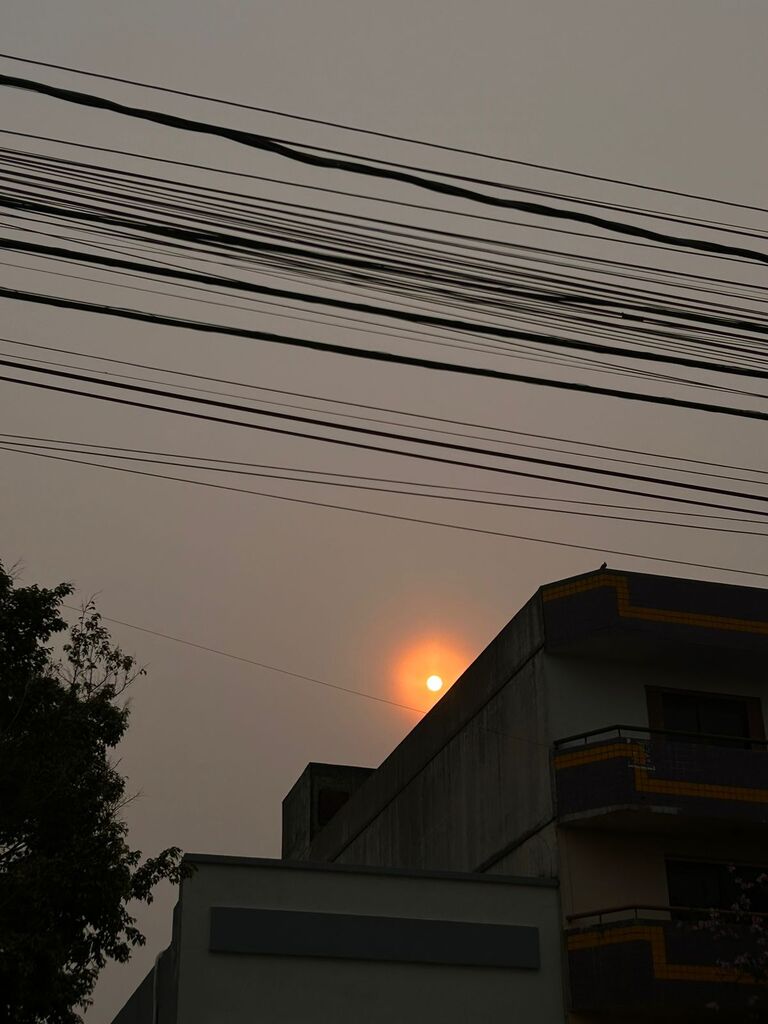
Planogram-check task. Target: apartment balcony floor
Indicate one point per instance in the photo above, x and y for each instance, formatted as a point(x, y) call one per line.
point(627, 777)
point(664, 963)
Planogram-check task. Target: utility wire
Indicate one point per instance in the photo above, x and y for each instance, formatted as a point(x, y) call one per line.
point(379, 134)
point(358, 417)
point(376, 433)
point(132, 179)
point(168, 460)
point(191, 460)
point(257, 664)
point(337, 192)
point(400, 518)
point(377, 355)
point(353, 164)
point(296, 675)
point(414, 415)
point(175, 234)
point(549, 478)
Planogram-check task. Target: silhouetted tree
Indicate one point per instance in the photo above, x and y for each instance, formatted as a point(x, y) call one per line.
point(67, 873)
point(743, 927)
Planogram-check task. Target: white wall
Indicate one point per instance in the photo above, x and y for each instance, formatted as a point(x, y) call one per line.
point(240, 989)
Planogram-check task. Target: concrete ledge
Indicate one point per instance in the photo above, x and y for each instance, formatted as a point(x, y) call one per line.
point(352, 869)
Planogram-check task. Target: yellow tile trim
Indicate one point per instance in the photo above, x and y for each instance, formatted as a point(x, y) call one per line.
point(630, 611)
point(703, 790)
point(605, 752)
point(646, 783)
point(662, 969)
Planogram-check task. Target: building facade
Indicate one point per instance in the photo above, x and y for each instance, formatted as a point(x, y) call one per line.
point(603, 760)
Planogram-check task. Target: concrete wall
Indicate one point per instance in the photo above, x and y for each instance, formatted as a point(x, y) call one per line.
point(234, 988)
point(469, 779)
point(484, 788)
point(534, 857)
point(592, 690)
point(303, 811)
point(602, 869)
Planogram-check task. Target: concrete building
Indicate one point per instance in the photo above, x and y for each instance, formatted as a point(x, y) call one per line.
point(572, 800)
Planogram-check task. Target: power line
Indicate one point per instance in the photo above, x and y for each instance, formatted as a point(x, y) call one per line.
point(168, 460)
point(374, 448)
point(400, 518)
point(376, 433)
point(353, 164)
point(105, 449)
point(586, 298)
point(414, 415)
point(727, 227)
point(296, 675)
point(356, 416)
point(381, 135)
point(99, 171)
point(170, 234)
point(257, 664)
point(377, 355)
point(339, 192)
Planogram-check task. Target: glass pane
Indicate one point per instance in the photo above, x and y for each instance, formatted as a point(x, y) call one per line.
point(692, 884)
point(680, 712)
point(724, 717)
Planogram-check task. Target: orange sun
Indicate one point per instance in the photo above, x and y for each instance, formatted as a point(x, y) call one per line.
point(426, 669)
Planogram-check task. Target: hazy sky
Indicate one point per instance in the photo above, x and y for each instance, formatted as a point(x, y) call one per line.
point(667, 92)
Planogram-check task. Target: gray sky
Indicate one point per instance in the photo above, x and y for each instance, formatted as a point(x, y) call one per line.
point(666, 93)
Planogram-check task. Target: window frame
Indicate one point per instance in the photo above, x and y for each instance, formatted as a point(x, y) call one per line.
point(755, 721)
point(723, 867)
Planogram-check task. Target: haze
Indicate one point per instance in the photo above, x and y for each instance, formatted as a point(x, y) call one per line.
point(669, 94)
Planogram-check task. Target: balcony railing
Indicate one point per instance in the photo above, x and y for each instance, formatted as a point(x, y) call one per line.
point(622, 768)
point(669, 962)
point(633, 732)
point(648, 912)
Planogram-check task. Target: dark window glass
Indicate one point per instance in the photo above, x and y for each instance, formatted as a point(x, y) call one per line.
point(329, 801)
point(693, 884)
point(681, 712)
point(700, 885)
point(724, 717)
point(705, 714)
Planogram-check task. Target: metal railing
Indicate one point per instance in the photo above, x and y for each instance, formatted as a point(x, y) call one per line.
point(630, 733)
point(645, 912)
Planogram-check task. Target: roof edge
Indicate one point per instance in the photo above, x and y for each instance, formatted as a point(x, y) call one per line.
point(226, 860)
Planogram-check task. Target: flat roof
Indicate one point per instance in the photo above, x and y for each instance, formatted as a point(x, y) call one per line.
point(351, 869)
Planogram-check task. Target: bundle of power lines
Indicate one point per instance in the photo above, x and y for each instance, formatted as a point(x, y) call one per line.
point(451, 273)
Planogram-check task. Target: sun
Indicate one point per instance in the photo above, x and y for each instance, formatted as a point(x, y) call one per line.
point(425, 667)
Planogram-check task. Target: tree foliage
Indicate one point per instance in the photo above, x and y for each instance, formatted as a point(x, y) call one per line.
point(67, 873)
point(743, 927)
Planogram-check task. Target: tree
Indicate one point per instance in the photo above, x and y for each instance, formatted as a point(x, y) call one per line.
point(67, 873)
point(741, 929)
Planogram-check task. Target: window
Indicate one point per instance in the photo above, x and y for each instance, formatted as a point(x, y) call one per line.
point(699, 885)
point(694, 884)
point(700, 713)
point(329, 801)
point(706, 714)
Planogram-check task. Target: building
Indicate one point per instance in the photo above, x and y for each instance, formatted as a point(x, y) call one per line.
point(536, 849)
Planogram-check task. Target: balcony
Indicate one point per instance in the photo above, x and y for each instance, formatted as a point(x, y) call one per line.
point(627, 777)
point(667, 963)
